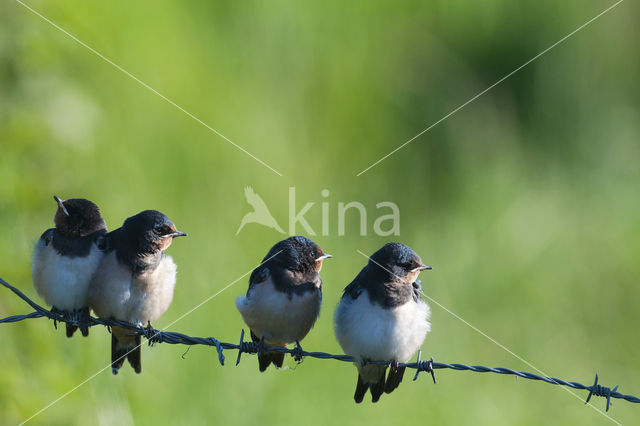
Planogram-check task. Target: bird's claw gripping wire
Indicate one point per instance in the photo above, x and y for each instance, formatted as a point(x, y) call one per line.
point(297, 353)
point(152, 335)
point(57, 315)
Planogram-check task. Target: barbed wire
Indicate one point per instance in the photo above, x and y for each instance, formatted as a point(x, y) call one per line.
point(154, 336)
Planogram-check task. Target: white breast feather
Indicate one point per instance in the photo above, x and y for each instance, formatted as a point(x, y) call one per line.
point(152, 292)
point(276, 317)
point(115, 293)
point(369, 331)
point(63, 281)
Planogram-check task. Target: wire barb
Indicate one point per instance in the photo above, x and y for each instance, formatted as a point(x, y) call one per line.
point(215, 342)
point(424, 366)
point(599, 390)
point(174, 338)
point(248, 347)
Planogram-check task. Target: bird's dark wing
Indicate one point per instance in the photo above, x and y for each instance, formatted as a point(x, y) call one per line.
point(100, 239)
point(125, 251)
point(47, 236)
point(259, 275)
point(113, 239)
point(359, 283)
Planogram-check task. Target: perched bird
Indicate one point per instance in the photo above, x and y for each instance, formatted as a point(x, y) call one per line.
point(284, 296)
point(134, 281)
point(66, 257)
point(381, 317)
point(260, 213)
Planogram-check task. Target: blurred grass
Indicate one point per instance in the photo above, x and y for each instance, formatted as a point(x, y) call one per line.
point(526, 201)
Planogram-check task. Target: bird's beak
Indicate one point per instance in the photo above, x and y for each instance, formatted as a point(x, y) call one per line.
point(177, 234)
point(421, 268)
point(60, 204)
point(323, 257)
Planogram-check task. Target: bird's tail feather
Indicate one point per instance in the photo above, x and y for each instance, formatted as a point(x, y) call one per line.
point(123, 345)
point(370, 378)
point(118, 354)
point(267, 358)
point(394, 378)
point(71, 329)
point(377, 389)
point(361, 389)
point(134, 355)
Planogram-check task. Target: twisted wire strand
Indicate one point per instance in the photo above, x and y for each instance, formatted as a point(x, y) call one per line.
point(158, 336)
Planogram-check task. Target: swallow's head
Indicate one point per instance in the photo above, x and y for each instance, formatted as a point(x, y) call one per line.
point(298, 254)
point(399, 261)
point(77, 217)
point(150, 231)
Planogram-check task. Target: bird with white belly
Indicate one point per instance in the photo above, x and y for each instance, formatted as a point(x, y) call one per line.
point(66, 257)
point(135, 281)
point(381, 317)
point(284, 296)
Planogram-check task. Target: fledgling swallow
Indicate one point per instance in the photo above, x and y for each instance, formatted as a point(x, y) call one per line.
point(284, 296)
point(381, 317)
point(134, 281)
point(66, 257)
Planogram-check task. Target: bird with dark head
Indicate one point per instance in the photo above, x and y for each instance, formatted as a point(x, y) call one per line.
point(77, 217)
point(382, 317)
point(66, 257)
point(284, 296)
point(135, 280)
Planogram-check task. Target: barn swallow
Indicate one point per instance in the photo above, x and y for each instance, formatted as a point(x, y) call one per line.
point(135, 281)
point(284, 296)
point(381, 317)
point(66, 257)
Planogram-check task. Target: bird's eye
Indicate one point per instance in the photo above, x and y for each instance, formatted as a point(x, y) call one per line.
point(162, 230)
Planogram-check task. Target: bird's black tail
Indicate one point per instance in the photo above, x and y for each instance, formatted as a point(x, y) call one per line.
point(267, 358)
point(124, 347)
point(134, 356)
point(394, 378)
point(84, 331)
point(376, 389)
point(361, 389)
point(118, 354)
point(71, 329)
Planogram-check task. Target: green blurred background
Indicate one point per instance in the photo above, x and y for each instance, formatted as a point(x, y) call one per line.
point(525, 202)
